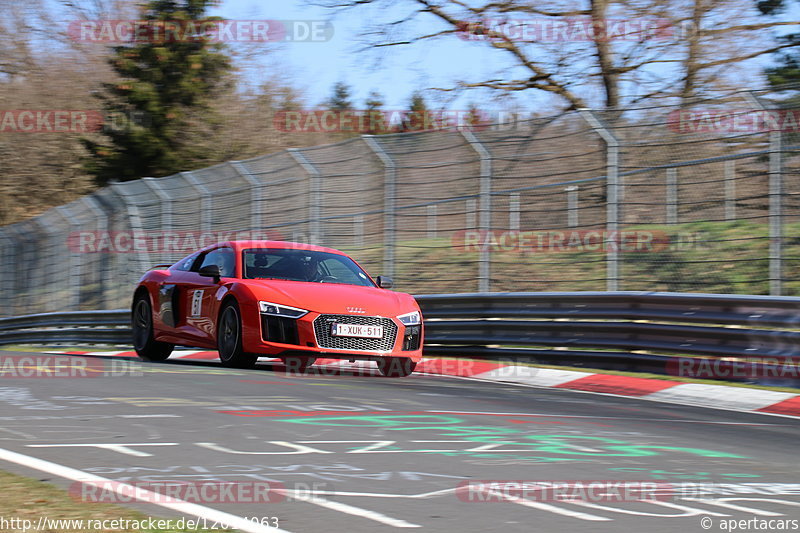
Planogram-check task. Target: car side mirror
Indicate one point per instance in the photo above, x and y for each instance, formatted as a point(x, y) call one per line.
point(384, 282)
point(210, 271)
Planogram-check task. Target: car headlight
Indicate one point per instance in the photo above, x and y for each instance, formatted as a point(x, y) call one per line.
point(410, 319)
point(269, 308)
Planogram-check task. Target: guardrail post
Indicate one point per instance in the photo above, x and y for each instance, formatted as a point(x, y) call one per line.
point(256, 194)
point(74, 262)
point(102, 227)
point(205, 202)
point(672, 196)
point(484, 208)
point(613, 195)
point(730, 190)
point(315, 193)
point(390, 205)
point(775, 202)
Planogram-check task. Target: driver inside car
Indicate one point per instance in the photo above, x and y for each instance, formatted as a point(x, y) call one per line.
point(310, 269)
point(260, 267)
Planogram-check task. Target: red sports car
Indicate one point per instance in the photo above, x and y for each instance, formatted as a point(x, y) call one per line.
point(279, 299)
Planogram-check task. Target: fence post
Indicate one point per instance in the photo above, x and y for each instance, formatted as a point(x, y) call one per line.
point(390, 204)
point(73, 263)
point(470, 214)
point(613, 194)
point(205, 202)
point(484, 208)
point(358, 230)
point(19, 306)
point(9, 267)
point(730, 190)
point(672, 196)
point(775, 203)
point(315, 193)
point(50, 269)
point(165, 202)
point(432, 231)
point(135, 223)
point(775, 213)
point(256, 194)
point(513, 211)
point(102, 227)
point(572, 205)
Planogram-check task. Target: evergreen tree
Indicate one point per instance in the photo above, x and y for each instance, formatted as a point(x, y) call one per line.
point(374, 119)
point(417, 117)
point(167, 82)
point(785, 77)
point(788, 70)
point(340, 99)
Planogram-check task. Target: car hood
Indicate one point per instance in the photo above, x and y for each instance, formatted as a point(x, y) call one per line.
point(333, 298)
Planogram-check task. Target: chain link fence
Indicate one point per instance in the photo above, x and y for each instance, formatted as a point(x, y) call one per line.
point(703, 198)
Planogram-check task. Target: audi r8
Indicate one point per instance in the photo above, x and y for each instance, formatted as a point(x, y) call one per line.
point(292, 301)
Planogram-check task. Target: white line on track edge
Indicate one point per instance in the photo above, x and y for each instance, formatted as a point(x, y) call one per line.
point(350, 509)
point(193, 509)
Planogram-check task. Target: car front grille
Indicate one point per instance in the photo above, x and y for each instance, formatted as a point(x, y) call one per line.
point(322, 329)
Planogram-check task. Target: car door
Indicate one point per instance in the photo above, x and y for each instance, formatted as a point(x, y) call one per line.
point(198, 303)
point(167, 299)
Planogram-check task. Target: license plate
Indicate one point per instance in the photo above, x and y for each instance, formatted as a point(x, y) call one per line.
point(357, 330)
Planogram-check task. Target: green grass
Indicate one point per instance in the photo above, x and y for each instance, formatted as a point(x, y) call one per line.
point(712, 257)
point(29, 499)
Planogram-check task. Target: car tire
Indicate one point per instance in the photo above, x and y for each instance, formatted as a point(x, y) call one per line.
point(229, 338)
point(396, 367)
point(147, 348)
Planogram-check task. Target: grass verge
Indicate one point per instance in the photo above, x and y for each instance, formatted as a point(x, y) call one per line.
point(26, 499)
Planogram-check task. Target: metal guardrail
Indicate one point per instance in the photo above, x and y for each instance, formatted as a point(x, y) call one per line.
point(657, 332)
point(703, 324)
point(98, 327)
point(627, 330)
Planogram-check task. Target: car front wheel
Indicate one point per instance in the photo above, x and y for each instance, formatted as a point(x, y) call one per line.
point(229, 338)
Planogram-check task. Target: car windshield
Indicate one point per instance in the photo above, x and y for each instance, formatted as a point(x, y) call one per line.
point(302, 265)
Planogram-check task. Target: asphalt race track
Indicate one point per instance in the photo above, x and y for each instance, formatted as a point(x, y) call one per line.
point(353, 452)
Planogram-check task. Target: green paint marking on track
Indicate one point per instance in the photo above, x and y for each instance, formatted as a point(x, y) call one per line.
point(553, 444)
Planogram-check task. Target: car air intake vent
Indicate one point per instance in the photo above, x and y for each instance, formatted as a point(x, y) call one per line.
point(411, 338)
point(279, 329)
point(324, 324)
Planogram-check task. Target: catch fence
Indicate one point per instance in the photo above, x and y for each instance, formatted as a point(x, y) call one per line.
point(703, 198)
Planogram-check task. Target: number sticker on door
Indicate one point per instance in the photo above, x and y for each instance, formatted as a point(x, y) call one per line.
point(197, 303)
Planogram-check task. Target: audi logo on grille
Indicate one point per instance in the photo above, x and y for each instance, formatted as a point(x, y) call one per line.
point(359, 310)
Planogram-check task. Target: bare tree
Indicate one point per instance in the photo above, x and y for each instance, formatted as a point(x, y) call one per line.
point(628, 51)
